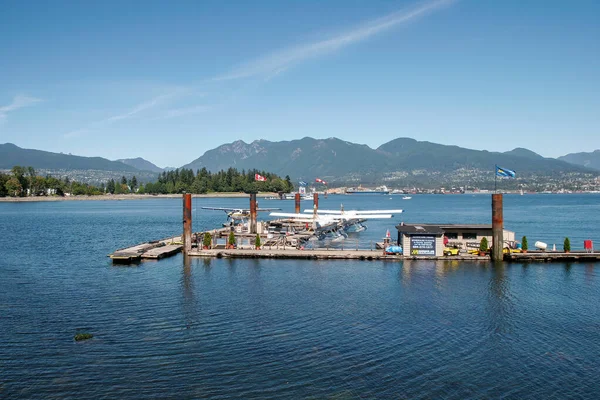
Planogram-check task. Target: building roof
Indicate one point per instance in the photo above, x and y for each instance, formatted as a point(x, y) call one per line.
point(466, 226)
point(440, 228)
point(420, 229)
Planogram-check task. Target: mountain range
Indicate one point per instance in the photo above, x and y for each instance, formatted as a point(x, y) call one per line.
point(589, 160)
point(11, 155)
point(403, 160)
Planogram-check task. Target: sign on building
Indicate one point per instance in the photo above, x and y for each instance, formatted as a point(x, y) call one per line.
point(422, 245)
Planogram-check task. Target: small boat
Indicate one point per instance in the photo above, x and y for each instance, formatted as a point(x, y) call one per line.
point(406, 198)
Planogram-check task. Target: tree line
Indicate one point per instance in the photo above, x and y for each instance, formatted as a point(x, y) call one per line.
point(23, 181)
point(204, 181)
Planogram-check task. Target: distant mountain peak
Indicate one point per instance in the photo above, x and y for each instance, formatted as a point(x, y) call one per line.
point(523, 152)
point(141, 164)
point(586, 159)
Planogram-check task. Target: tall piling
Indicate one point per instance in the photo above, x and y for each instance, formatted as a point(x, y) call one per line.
point(253, 213)
point(497, 227)
point(187, 223)
point(316, 201)
point(297, 203)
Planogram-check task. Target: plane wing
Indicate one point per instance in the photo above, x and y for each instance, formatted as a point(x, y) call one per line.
point(354, 212)
point(291, 215)
point(227, 209)
point(222, 209)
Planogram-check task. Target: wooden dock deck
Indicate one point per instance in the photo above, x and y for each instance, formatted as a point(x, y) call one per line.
point(539, 256)
point(149, 250)
point(291, 253)
point(323, 254)
point(162, 252)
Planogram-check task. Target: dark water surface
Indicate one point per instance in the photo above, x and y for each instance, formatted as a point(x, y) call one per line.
point(293, 329)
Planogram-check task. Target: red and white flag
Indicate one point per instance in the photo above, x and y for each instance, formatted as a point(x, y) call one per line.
point(260, 178)
point(321, 181)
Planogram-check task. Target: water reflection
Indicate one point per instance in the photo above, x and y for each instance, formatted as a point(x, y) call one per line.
point(190, 311)
point(589, 272)
point(500, 303)
point(568, 269)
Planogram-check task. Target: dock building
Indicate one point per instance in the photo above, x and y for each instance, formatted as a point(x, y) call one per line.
point(430, 239)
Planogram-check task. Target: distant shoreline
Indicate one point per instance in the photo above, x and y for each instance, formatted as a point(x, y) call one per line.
point(125, 197)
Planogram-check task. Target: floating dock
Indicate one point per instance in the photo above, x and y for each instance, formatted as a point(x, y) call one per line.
point(149, 250)
point(292, 253)
point(543, 256)
point(322, 254)
point(295, 239)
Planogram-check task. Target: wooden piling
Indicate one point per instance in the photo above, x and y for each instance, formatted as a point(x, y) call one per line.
point(497, 227)
point(297, 203)
point(316, 201)
point(253, 213)
point(187, 223)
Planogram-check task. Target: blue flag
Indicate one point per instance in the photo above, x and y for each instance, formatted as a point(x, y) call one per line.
point(302, 183)
point(507, 173)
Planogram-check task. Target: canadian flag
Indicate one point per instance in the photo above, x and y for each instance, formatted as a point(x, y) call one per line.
point(321, 181)
point(260, 178)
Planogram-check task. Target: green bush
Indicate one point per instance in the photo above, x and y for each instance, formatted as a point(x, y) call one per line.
point(567, 245)
point(524, 245)
point(483, 245)
point(207, 239)
point(231, 239)
point(257, 241)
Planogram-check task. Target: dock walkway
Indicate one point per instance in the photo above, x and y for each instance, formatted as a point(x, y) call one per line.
point(539, 256)
point(149, 250)
point(291, 253)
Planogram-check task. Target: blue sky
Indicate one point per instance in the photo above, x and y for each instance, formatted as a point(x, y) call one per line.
point(169, 80)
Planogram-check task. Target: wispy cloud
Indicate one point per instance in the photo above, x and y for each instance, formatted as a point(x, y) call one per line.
point(138, 109)
point(141, 107)
point(18, 102)
point(179, 112)
point(264, 68)
point(277, 62)
point(74, 134)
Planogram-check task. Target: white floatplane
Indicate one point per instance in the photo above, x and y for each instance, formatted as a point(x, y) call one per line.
point(347, 220)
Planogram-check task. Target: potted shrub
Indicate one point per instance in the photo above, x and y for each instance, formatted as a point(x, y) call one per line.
point(257, 242)
point(567, 245)
point(231, 240)
point(483, 246)
point(206, 241)
point(524, 245)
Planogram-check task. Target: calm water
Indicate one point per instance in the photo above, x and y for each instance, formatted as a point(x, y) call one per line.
point(293, 329)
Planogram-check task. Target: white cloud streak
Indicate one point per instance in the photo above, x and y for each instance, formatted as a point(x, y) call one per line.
point(279, 61)
point(138, 109)
point(141, 108)
point(179, 112)
point(265, 67)
point(18, 102)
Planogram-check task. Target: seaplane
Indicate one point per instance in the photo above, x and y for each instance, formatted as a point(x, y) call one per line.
point(237, 215)
point(349, 221)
